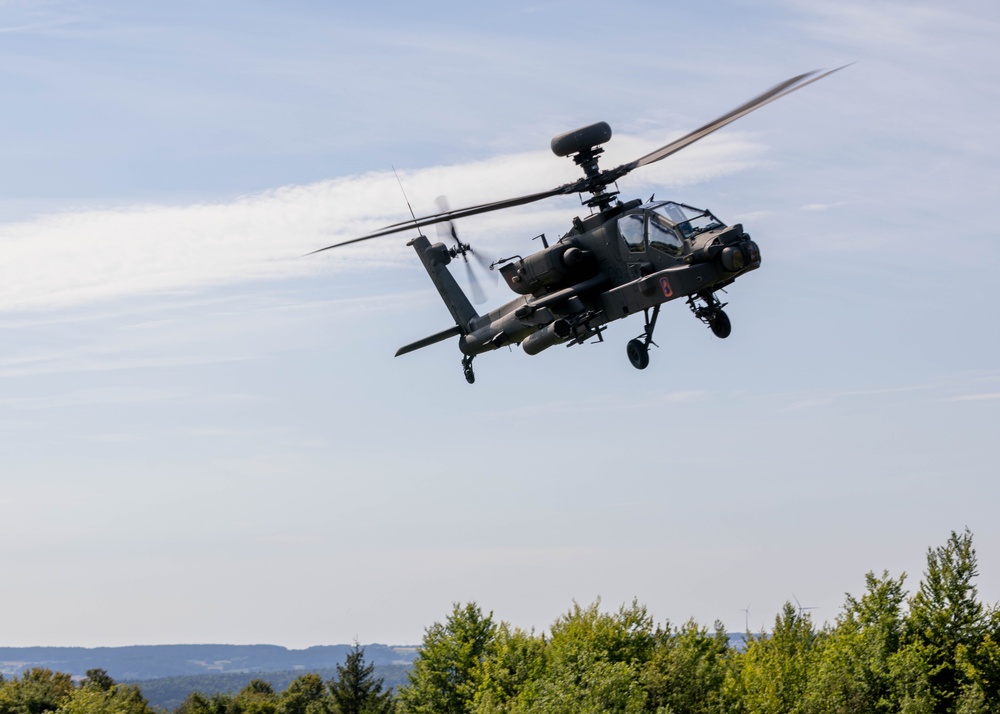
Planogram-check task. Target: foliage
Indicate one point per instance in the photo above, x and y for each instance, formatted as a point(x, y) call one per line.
point(689, 669)
point(442, 678)
point(170, 692)
point(36, 691)
point(513, 669)
point(356, 689)
point(93, 698)
point(854, 672)
point(775, 671)
point(935, 652)
point(593, 662)
point(947, 625)
point(198, 703)
point(258, 697)
point(305, 695)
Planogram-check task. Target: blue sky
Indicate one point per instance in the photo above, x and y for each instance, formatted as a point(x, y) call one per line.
point(204, 436)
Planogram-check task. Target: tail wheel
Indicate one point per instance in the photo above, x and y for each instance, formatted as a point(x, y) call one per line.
point(470, 376)
point(638, 354)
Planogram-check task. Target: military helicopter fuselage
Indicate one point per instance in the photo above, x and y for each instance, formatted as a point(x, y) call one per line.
point(621, 259)
point(627, 259)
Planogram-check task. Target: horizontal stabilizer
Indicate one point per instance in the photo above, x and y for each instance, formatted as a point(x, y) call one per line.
point(454, 331)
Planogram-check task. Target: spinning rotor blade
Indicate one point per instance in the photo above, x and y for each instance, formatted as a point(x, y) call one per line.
point(475, 287)
point(776, 92)
point(460, 213)
point(486, 261)
point(446, 229)
point(596, 183)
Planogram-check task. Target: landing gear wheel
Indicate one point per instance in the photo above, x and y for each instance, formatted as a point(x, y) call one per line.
point(721, 327)
point(470, 376)
point(638, 354)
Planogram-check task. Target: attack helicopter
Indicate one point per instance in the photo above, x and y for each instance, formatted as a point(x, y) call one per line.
point(623, 258)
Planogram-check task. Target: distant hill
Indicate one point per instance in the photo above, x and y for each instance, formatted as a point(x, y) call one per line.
point(143, 662)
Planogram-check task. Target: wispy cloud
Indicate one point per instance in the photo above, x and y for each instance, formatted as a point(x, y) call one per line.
point(940, 390)
point(88, 397)
point(901, 25)
point(607, 403)
point(80, 257)
point(823, 206)
point(975, 397)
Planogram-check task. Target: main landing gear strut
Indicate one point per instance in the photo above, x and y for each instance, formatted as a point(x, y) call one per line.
point(711, 313)
point(638, 349)
point(705, 306)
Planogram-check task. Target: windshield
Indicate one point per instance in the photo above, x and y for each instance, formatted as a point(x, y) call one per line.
point(690, 221)
point(663, 236)
point(633, 231)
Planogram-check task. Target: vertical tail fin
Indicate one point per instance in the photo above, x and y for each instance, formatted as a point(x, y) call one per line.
point(435, 259)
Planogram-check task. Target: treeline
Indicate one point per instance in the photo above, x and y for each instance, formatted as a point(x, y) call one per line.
point(931, 651)
point(935, 651)
point(167, 693)
point(355, 690)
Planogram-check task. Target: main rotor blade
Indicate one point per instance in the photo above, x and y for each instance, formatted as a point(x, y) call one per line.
point(597, 182)
point(446, 229)
point(776, 92)
point(459, 213)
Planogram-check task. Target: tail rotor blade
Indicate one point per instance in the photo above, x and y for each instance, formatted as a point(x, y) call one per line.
point(485, 260)
point(475, 287)
point(446, 229)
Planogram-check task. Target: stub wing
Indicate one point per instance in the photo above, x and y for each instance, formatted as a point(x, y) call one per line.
point(454, 331)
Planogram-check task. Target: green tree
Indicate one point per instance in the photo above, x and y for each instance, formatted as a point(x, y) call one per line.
point(947, 627)
point(624, 636)
point(688, 670)
point(257, 697)
point(356, 690)
point(593, 662)
point(98, 678)
point(516, 664)
point(198, 703)
point(854, 670)
point(38, 690)
point(775, 670)
point(91, 698)
point(589, 684)
point(441, 680)
point(305, 695)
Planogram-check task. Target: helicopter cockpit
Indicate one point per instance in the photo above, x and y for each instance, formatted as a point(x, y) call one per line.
point(664, 226)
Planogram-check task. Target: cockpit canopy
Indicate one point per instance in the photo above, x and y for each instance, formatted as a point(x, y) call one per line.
point(664, 226)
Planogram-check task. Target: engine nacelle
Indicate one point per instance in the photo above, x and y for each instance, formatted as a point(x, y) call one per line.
point(557, 266)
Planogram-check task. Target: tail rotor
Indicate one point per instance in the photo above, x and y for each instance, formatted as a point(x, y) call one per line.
point(446, 231)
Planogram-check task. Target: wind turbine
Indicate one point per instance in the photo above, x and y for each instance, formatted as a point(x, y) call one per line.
point(799, 604)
